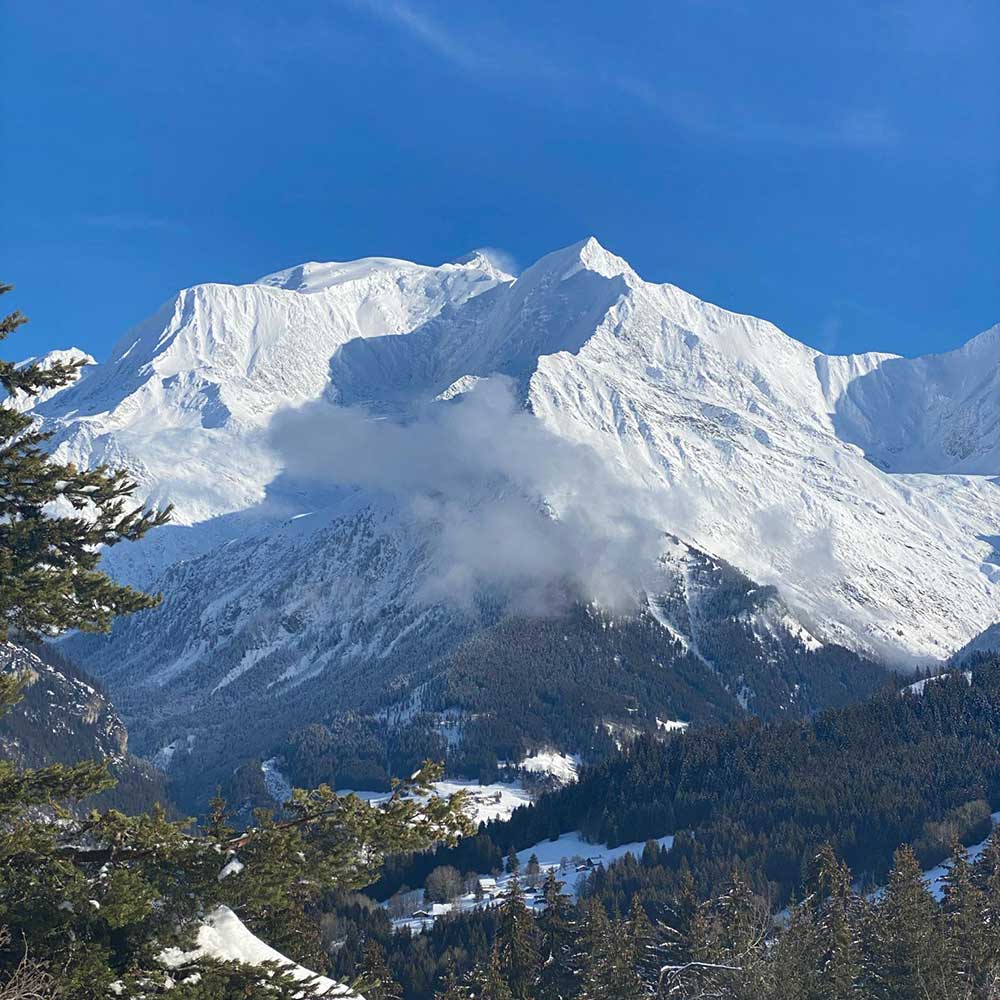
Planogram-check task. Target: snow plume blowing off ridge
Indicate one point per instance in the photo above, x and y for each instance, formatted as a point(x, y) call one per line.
point(510, 507)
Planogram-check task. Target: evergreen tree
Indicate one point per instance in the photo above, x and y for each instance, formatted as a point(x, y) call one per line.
point(987, 878)
point(376, 981)
point(733, 957)
point(488, 982)
point(640, 942)
point(49, 580)
point(517, 943)
point(557, 980)
point(609, 962)
point(904, 952)
point(796, 955)
point(92, 901)
point(532, 872)
point(838, 925)
point(451, 987)
point(969, 955)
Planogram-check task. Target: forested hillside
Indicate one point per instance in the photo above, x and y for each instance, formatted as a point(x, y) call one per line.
point(715, 648)
point(919, 767)
point(64, 717)
point(907, 942)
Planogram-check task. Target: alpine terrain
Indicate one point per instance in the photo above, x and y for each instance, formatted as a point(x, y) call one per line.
point(377, 466)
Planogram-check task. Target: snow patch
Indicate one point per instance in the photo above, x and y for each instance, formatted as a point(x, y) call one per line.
point(561, 766)
point(223, 936)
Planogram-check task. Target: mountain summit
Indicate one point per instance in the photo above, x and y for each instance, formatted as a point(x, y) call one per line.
point(864, 487)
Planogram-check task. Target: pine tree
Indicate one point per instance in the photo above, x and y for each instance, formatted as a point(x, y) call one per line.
point(451, 987)
point(517, 943)
point(837, 919)
point(489, 982)
point(532, 872)
point(966, 939)
point(796, 957)
point(557, 980)
point(608, 970)
point(376, 981)
point(904, 951)
point(986, 875)
point(639, 931)
point(49, 581)
point(738, 929)
point(95, 899)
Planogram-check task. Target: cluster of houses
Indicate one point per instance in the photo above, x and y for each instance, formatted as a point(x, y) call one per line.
point(488, 890)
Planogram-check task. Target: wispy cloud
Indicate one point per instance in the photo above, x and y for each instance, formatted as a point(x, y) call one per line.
point(428, 32)
point(692, 110)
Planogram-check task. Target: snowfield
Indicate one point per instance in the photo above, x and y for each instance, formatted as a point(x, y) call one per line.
point(562, 767)
point(485, 802)
point(865, 487)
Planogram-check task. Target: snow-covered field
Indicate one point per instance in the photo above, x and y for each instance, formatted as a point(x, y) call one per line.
point(485, 802)
point(561, 766)
point(570, 856)
point(934, 877)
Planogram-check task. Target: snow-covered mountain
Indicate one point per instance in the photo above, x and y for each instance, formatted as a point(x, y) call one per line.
point(865, 487)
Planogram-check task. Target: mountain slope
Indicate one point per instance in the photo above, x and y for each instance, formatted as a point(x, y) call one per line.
point(63, 718)
point(856, 485)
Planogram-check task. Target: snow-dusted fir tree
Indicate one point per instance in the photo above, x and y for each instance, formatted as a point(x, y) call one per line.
point(87, 906)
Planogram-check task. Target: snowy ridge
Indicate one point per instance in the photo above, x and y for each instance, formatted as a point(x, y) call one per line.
point(864, 487)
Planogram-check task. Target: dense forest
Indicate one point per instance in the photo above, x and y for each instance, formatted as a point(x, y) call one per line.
point(908, 941)
point(902, 767)
point(805, 819)
point(583, 680)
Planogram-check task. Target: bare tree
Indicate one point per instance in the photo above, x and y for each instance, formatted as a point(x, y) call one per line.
point(30, 980)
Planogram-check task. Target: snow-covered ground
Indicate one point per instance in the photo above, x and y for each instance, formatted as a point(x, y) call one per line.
point(934, 877)
point(671, 725)
point(223, 936)
point(561, 766)
point(486, 802)
point(570, 856)
point(918, 686)
point(277, 785)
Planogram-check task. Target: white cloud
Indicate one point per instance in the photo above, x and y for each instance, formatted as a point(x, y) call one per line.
point(510, 506)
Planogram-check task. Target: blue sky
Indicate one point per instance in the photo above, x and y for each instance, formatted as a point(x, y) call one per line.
point(834, 167)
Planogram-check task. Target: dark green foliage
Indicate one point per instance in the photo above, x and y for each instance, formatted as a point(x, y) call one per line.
point(834, 945)
point(49, 581)
point(767, 797)
point(516, 944)
point(377, 982)
point(557, 925)
point(88, 900)
point(514, 686)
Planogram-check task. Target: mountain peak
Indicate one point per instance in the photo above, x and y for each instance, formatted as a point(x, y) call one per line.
point(494, 262)
point(584, 255)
